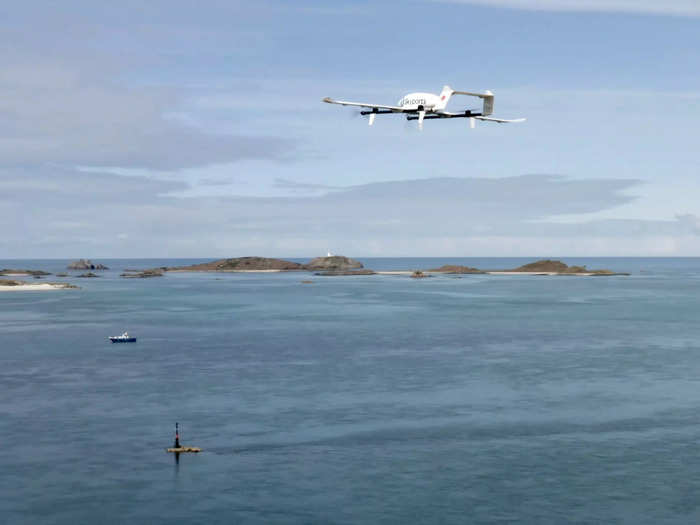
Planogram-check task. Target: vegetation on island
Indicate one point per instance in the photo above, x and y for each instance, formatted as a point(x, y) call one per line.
point(333, 263)
point(558, 267)
point(238, 264)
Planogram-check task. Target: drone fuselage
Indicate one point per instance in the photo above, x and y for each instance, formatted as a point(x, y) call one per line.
point(429, 102)
point(419, 101)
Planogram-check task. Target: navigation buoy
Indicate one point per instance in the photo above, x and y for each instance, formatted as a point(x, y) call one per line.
point(177, 448)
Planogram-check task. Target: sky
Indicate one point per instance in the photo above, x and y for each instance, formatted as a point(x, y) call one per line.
point(196, 129)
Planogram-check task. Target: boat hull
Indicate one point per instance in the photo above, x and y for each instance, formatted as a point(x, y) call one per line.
point(123, 340)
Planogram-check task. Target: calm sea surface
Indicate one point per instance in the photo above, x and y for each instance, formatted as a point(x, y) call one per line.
point(372, 399)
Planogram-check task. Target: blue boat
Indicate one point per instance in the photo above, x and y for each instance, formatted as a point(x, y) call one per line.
point(124, 338)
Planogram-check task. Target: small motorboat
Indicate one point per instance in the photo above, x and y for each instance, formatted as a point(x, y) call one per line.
point(124, 338)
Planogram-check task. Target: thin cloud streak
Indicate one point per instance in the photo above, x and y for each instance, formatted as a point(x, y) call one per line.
point(669, 7)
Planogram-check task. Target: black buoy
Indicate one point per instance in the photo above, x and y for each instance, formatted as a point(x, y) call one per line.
point(177, 437)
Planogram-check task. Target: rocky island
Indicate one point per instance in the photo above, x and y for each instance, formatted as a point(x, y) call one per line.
point(240, 264)
point(543, 267)
point(551, 267)
point(334, 265)
point(86, 264)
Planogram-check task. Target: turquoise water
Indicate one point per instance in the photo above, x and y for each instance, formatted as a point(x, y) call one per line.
point(371, 399)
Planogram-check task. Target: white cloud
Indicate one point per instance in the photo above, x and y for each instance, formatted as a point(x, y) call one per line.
point(668, 7)
point(76, 113)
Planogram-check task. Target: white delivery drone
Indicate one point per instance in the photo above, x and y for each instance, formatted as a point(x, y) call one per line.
point(421, 106)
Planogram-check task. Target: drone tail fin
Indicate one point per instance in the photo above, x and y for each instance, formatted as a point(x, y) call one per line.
point(445, 95)
point(488, 103)
point(486, 96)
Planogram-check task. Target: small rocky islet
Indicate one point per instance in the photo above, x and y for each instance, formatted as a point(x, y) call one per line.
point(86, 264)
point(33, 273)
point(552, 267)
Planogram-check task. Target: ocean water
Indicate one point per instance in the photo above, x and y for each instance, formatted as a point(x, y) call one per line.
point(364, 399)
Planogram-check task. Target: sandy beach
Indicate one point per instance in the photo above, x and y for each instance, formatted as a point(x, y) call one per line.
point(230, 271)
point(495, 272)
point(536, 273)
point(35, 287)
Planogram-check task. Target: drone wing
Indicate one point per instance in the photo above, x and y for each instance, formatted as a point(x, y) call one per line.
point(363, 105)
point(501, 120)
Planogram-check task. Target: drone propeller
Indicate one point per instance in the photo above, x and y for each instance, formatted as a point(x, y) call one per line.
point(421, 116)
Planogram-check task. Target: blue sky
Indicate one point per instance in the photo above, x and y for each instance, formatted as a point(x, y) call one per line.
point(196, 129)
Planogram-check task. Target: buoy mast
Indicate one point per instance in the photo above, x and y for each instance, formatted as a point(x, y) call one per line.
point(177, 448)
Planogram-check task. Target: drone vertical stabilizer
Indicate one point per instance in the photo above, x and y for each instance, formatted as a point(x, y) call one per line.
point(487, 96)
point(488, 103)
point(445, 95)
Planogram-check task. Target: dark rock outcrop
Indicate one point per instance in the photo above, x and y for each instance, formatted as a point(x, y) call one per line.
point(87, 275)
point(11, 271)
point(239, 264)
point(86, 264)
point(419, 275)
point(333, 263)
